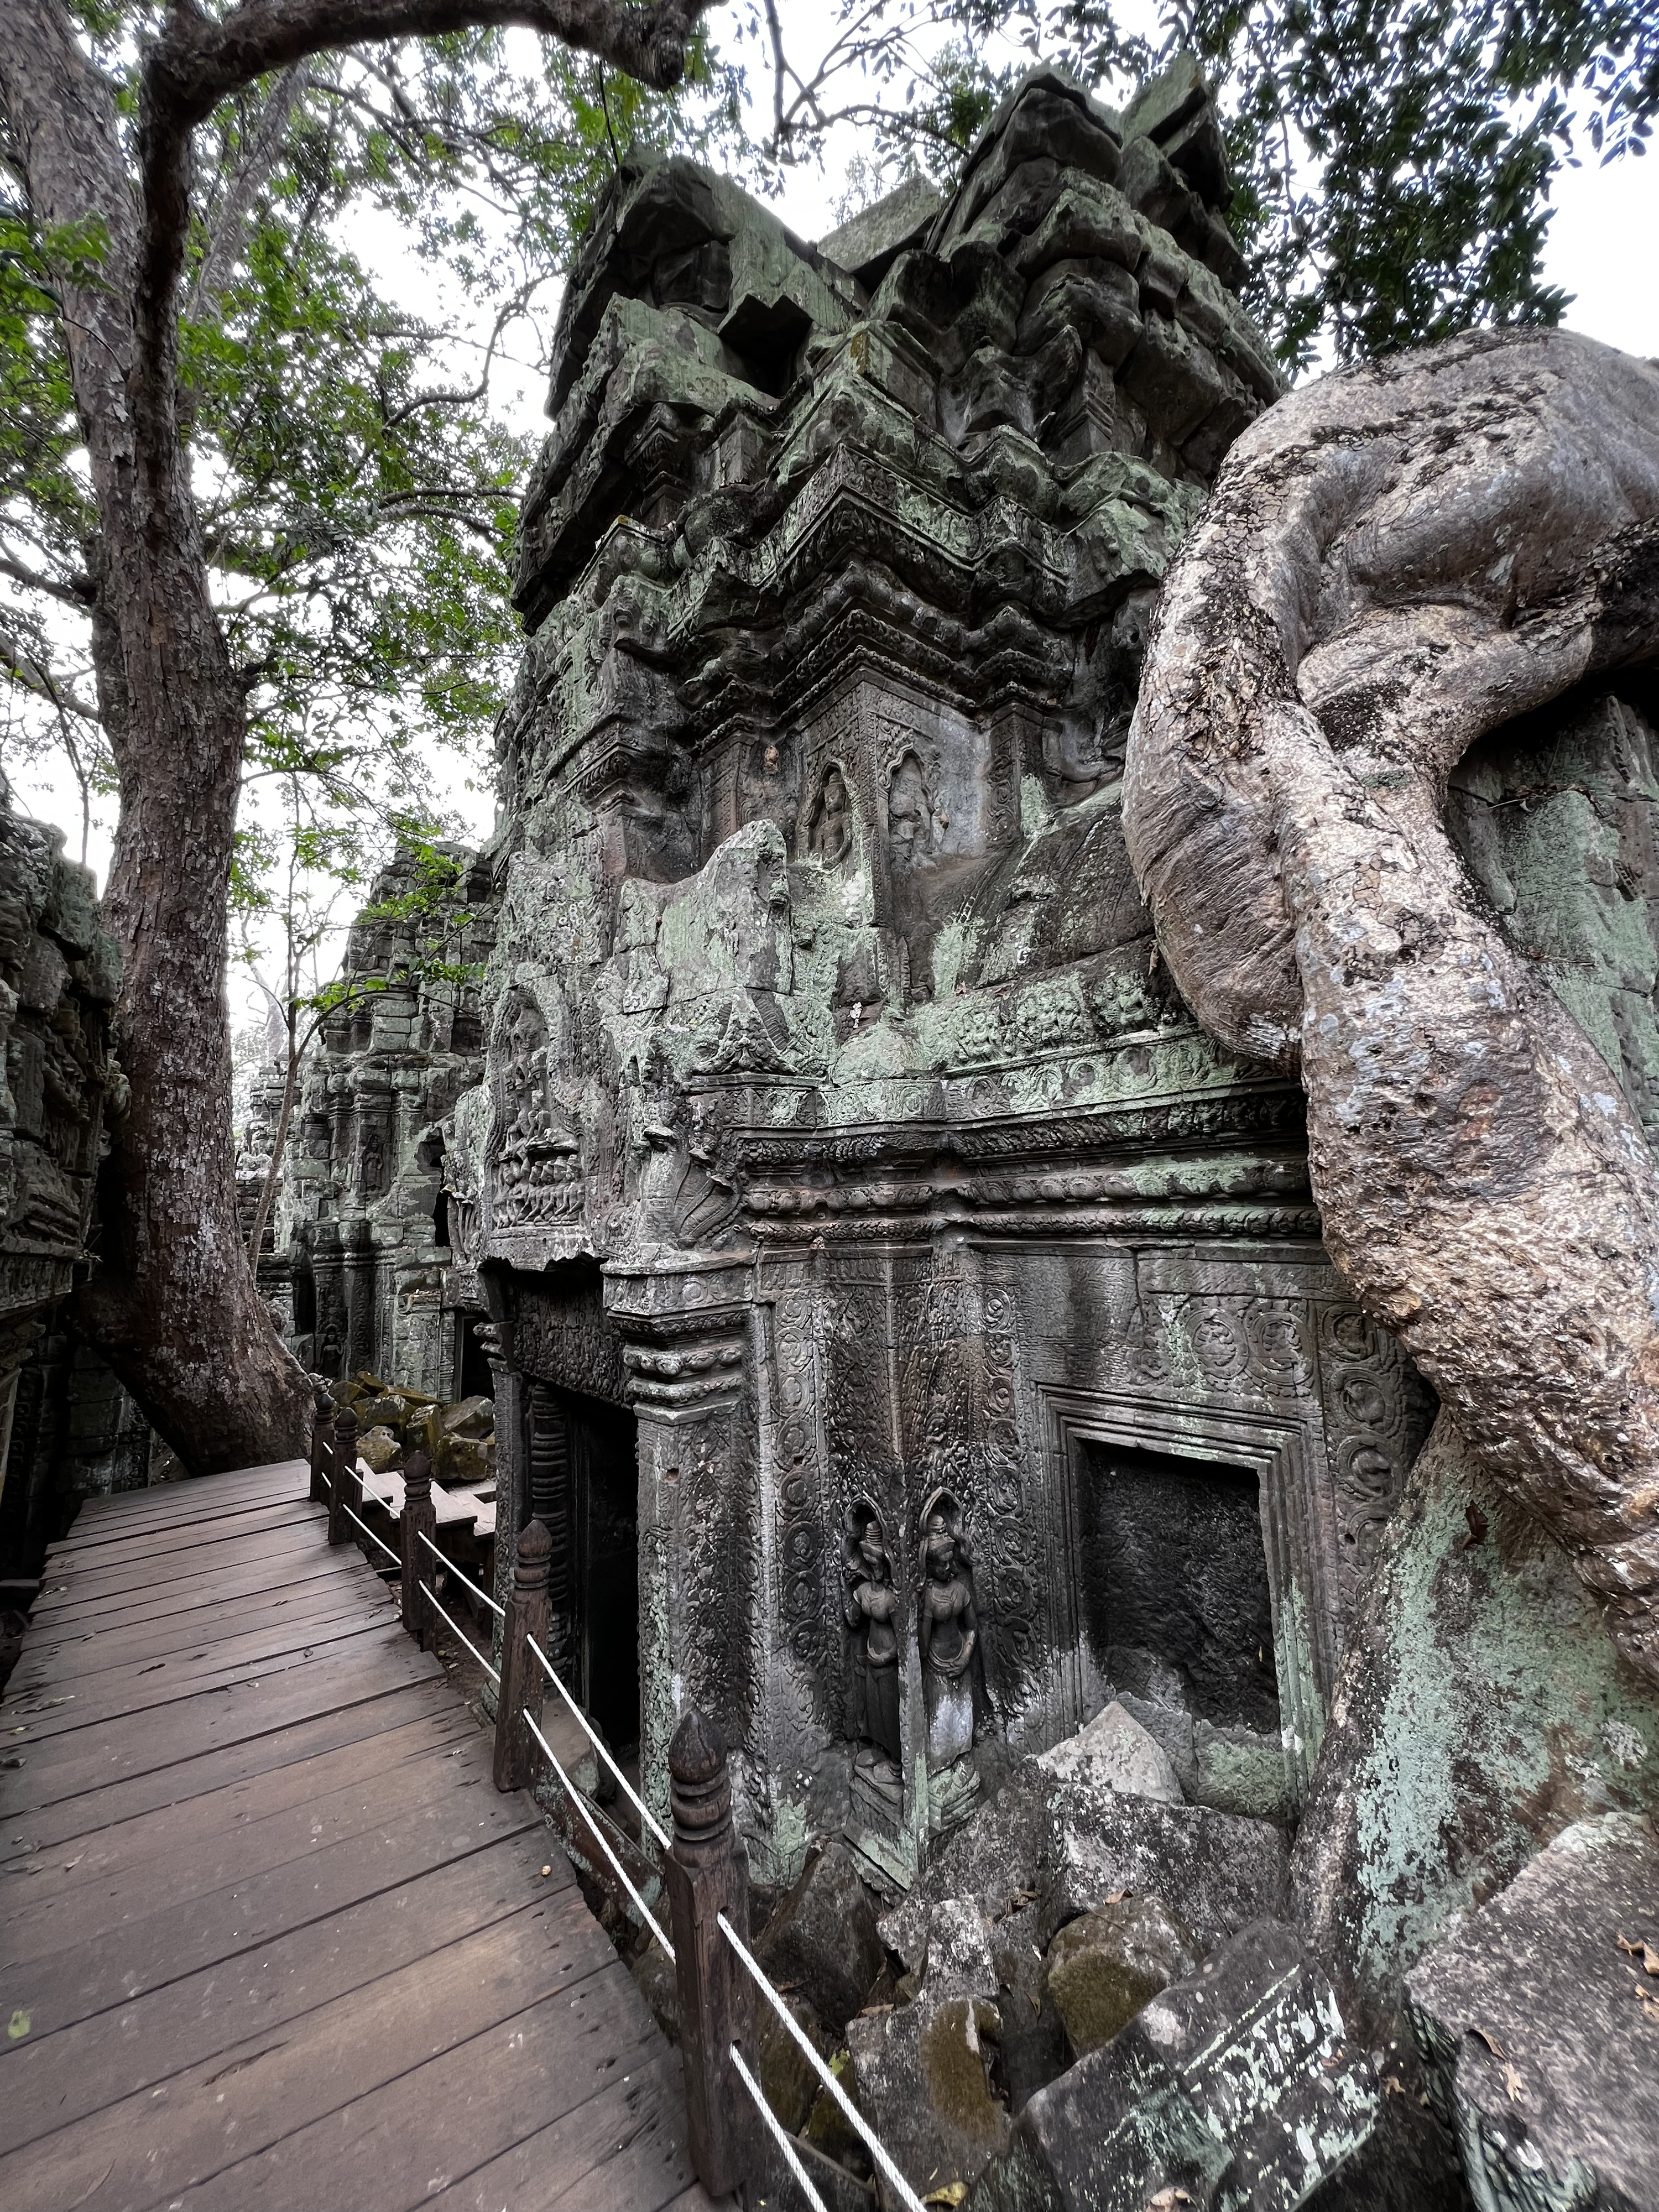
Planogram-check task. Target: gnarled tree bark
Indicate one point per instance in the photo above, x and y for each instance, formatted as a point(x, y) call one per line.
point(1396, 561)
point(174, 1304)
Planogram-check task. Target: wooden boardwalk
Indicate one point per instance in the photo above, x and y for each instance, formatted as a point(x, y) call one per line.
point(269, 1937)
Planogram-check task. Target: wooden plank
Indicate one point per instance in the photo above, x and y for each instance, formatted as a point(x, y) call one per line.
point(187, 1563)
point(180, 1504)
point(469, 2104)
point(175, 1845)
point(123, 1696)
point(196, 1493)
point(77, 1653)
point(623, 2150)
point(196, 1539)
point(98, 1551)
point(225, 2113)
point(48, 2081)
point(253, 1579)
point(115, 1966)
point(88, 1543)
point(188, 1780)
point(66, 1766)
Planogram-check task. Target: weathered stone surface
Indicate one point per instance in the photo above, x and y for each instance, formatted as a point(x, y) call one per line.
point(922, 2077)
point(1234, 2088)
point(379, 1448)
point(839, 1129)
point(823, 1938)
point(785, 2072)
point(1113, 1752)
point(1481, 1710)
point(1487, 1184)
point(1537, 2021)
point(58, 1082)
point(368, 1259)
point(1102, 1968)
point(1072, 1846)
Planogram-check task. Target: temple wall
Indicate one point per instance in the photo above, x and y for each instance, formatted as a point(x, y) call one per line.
point(841, 1129)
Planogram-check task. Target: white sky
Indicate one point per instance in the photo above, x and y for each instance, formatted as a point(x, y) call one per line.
point(1599, 239)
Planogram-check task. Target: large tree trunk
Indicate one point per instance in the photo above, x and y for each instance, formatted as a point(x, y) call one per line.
point(1394, 561)
point(173, 1304)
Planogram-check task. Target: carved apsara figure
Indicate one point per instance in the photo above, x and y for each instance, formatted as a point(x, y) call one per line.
point(948, 1629)
point(831, 832)
point(910, 819)
point(870, 1608)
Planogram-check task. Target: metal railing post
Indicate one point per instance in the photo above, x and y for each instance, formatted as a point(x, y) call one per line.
point(344, 1489)
point(523, 1684)
point(321, 1438)
point(420, 1518)
point(706, 1876)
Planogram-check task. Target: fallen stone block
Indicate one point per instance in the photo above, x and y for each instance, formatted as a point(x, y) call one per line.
point(922, 2077)
point(1538, 2024)
point(823, 1938)
point(1102, 1968)
point(1113, 1752)
point(1069, 1844)
point(1234, 2089)
point(379, 1448)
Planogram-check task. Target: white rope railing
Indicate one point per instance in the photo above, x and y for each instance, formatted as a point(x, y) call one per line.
point(374, 1539)
point(850, 2112)
point(792, 2157)
point(466, 1581)
point(430, 1595)
point(599, 1834)
point(597, 1742)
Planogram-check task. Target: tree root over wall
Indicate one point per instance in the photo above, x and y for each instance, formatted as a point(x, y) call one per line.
point(1395, 562)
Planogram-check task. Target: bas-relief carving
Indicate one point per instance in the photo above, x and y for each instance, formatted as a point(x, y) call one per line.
point(825, 1016)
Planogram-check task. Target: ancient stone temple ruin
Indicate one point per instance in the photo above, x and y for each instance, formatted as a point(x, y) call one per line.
point(355, 1258)
point(66, 1425)
point(893, 1286)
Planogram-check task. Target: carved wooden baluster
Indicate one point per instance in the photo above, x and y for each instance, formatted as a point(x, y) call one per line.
point(523, 1683)
point(706, 1875)
point(322, 1425)
point(550, 1502)
point(343, 1475)
point(420, 1518)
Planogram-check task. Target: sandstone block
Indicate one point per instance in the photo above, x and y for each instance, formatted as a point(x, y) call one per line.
point(1102, 1968)
point(1115, 1752)
point(1234, 2088)
point(380, 1448)
point(1538, 2023)
point(824, 1938)
point(922, 2078)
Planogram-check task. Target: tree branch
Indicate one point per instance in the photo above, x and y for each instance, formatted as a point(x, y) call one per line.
point(32, 675)
point(73, 591)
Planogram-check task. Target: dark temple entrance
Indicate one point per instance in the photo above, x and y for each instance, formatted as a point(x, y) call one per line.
point(601, 1501)
point(1173, 1582)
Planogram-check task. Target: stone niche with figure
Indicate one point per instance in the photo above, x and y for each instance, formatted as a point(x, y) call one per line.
point(916, 1333)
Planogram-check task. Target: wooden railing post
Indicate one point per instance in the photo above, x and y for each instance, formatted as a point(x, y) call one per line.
point(343, 1475)
point(706, 1875)
point(420, 1518)
point(322, 1427)
point(524, 1682)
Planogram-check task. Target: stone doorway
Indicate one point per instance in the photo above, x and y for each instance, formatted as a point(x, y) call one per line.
point(605, 1558)
point(1173, 1586)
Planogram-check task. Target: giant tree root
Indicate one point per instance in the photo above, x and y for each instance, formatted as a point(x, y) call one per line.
point(1395, 560)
